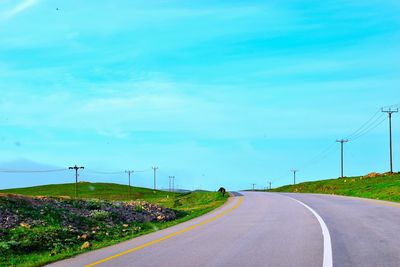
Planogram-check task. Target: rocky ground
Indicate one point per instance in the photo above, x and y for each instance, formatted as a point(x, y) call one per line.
point(16, 210)
point(30, 224)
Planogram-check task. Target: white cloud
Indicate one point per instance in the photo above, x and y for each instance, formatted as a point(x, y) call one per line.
point(20, 7)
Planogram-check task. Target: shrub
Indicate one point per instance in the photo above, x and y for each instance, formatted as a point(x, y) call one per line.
point(99, 214)
point(138, 208)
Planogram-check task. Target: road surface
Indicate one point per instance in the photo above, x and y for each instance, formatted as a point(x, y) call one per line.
point(268, 229)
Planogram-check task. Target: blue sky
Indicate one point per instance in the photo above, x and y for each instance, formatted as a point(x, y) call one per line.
point(214, 92)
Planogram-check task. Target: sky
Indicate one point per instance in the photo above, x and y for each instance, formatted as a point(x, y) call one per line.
point(216, 93)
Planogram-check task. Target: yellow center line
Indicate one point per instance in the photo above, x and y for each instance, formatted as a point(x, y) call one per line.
point(167, 236)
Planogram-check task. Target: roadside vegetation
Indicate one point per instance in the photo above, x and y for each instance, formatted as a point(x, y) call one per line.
point(373, 185)
point(43, 224)
point(105, 191)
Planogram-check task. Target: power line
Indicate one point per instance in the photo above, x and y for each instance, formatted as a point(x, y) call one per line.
point(102, 172)
point(392, 106)
point(113, 172)
point(322, 155)
point(372, 127)
point(372, 123)
point(145, 170)
point(364, 125)
point(32, 171)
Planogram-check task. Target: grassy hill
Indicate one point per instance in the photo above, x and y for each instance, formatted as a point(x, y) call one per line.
point(106, 191)
point(43, 224)
point(375, 186)
point(191, 203)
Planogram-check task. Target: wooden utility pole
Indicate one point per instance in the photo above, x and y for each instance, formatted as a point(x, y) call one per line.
point(294, 176)
point(129, 182)
point(171, 183)
point(390, 112)
point(76, 168)
point(342, 141)
point(155, 177)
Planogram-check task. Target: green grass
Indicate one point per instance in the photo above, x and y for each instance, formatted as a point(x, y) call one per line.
point(383, 187)
point(187, 206)
point(106, 191)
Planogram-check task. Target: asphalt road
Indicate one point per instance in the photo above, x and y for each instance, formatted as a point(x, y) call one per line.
point(268, 229)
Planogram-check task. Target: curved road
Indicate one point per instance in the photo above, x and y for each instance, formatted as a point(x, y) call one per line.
point(268, 229)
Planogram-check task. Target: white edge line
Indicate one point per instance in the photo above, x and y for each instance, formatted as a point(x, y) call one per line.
point(327, 262)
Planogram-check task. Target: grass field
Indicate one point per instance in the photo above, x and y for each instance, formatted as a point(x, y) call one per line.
point(383, 187)
point(107, 191)
point(186, 206)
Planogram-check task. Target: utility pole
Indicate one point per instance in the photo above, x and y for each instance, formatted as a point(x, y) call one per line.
point(171, 183)
point(294, 175)
point(76, 168)
point(253, 186)
point(390, 112)
point(270, 185)
point(155, 177)
point(342, 141)
point(129, 182)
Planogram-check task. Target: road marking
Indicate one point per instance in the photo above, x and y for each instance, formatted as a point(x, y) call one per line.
point(167, 236)
point(327, 262)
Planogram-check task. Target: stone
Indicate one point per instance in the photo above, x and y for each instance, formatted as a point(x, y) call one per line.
point(84, 237)
point(25, 225)
point(85, 245)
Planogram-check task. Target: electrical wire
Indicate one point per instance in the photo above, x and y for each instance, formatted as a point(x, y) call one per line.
point(372, 127)
point(366, 124)
point(393, 106)
point(31, 171)
point(64, 169)
point(320, 156)
point(102, 172)
point(145, 170)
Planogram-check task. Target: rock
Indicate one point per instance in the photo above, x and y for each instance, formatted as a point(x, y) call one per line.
point(372, 175)
point(85, 245)
point(25, 225)
point(83, 237)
